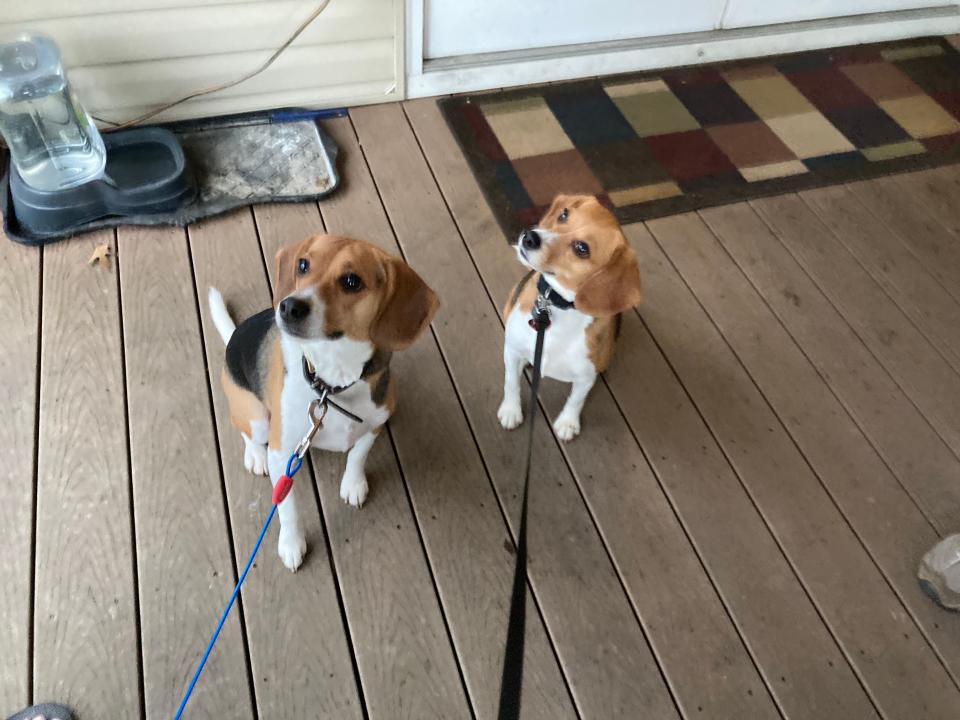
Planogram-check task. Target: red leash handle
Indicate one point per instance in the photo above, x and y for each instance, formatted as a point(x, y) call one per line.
point(282, 488)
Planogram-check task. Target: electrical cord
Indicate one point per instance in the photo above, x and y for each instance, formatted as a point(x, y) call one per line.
point(223, 86)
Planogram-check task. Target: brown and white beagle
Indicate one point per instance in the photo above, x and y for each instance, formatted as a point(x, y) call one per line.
point(340, 308)
point(578, 258)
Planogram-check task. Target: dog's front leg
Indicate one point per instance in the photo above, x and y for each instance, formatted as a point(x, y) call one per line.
point(510, 412)
point(567, 425)
point(353, 486)
point(292, 544)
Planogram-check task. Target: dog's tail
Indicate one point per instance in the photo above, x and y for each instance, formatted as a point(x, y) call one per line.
point(221, 316)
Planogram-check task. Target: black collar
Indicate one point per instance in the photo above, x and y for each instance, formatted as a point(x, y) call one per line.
point(552, 296)
point(325, 390)
point(547, 298)
point(321, 386)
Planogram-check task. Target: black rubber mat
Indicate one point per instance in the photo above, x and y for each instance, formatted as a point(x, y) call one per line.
point(237, 161)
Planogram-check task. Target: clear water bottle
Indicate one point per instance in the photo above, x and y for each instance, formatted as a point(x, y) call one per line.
point(53, 143)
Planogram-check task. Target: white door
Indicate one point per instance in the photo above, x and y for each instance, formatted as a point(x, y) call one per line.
point(467, 27)
point(747, 13)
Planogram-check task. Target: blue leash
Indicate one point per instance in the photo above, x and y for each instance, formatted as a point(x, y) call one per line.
point(280, 491)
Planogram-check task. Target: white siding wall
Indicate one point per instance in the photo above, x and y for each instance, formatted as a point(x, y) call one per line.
point(128, 56)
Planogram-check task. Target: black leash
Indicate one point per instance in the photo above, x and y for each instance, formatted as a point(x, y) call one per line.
point(512, 679)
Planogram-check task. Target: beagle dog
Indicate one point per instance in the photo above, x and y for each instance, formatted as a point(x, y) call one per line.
point(340, 308)
point(582, 267)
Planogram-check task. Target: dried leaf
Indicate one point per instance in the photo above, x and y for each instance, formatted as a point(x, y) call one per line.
point(101, 256)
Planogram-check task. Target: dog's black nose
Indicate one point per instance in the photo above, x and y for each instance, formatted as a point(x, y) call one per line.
point(530, 239)
point(293, 309)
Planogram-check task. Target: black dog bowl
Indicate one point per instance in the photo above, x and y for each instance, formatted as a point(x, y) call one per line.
point(146, 172)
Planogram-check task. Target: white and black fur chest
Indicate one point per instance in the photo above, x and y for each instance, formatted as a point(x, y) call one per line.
point(339, 432)
point(565, 352)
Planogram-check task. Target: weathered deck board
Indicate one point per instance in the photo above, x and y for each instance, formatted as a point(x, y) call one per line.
point(470, 337)
point(892, 266)
point(876, 508)
point(923, 463)
point(897, 205)
point(183, 545)
point(687, 623)
point(299, 652)
point(919, 369)
point(889, 524)
point(403, 652)
point(19, 318)
point(85, 607)
point(463, 531)
point(388, 593)
point(903, 675)
point(733, 571)
point(806, 671)
point(935, 191)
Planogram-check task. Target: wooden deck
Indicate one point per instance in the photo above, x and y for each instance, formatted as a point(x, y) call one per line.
point(734, 535)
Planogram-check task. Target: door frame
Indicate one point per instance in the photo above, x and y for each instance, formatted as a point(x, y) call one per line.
point(471, 73)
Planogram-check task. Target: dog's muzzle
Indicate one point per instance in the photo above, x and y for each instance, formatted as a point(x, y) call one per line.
point(293, 310)
point(530, 239)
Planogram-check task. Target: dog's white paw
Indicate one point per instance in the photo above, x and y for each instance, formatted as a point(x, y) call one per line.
point(255, 458)
point(510, 414)
point(567, 427)
point(291, 548)
point(354, 489)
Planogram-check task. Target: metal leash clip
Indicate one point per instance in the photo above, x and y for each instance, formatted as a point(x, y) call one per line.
point(316, 422)
point(543, 304)
point(541, 313)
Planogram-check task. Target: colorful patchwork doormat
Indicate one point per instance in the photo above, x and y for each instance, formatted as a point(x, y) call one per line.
point(655, 144)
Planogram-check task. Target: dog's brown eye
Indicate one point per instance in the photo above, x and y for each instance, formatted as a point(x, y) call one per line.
point(351, 282)
point(564, 214)
point(581, 249)
point(303, 265)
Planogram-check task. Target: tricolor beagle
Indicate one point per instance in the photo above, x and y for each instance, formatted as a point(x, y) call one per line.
point(340, 307)
point(580, 260)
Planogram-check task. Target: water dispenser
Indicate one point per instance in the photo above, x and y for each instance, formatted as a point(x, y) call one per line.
point(62, 173)
point(53, 143)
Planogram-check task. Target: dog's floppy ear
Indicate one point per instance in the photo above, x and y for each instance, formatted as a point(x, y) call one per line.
point(613, 288)
point(407, 309)
point(286, 275)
